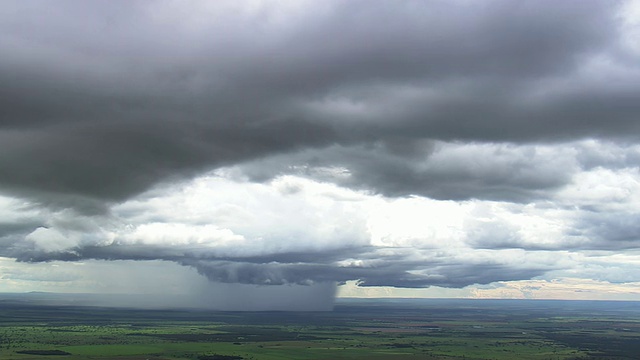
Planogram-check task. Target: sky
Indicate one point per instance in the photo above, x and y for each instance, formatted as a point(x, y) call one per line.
point(268, 154)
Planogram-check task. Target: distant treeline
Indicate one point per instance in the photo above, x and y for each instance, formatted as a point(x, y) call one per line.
point(43, 352)
point(219, 357)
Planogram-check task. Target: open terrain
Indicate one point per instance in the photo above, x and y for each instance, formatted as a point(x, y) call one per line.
point(357, 329)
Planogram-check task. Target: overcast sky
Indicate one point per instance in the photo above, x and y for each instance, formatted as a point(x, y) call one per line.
point(472, 148)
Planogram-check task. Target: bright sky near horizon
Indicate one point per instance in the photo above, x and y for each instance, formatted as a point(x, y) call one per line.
point(414, 148)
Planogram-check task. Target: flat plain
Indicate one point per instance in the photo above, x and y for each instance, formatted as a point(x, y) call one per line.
point(356, 329)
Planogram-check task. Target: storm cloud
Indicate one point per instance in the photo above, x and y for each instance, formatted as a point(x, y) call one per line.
point(259, 142)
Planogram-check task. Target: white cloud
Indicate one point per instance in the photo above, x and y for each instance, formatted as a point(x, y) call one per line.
point(50, 240)
point(287, 214)
point(561, 288)
point(172, 234)
point(220, 215)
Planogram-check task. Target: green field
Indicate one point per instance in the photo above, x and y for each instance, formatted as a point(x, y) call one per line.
point(355, 330)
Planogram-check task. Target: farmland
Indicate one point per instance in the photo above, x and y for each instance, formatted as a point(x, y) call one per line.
point(356, 329)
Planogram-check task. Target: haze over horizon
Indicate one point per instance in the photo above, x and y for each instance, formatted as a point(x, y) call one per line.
point(270, 150)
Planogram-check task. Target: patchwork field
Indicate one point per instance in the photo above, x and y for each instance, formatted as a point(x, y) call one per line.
point(403, 329)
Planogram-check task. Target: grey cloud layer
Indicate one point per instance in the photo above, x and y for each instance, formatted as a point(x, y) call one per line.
point(397, 267)
point(102, 103)
point(454, 171)
point(441, 99)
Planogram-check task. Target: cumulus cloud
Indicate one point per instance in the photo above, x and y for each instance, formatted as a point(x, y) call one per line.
point(324, 234)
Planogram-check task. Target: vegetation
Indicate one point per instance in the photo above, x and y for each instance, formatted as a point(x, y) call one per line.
point(355, 330)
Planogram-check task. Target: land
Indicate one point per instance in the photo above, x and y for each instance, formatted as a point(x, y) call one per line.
point(356, 329)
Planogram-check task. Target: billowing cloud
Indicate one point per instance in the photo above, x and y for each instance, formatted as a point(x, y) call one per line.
point(412, 144)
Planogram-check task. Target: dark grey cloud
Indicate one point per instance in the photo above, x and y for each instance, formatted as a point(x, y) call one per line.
point(101, 103)
point(608, 155)
point(399, 273)
point(66, 164)
point(455, 171)
point(395, 267)
point(609, 230)
point(17, 228)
